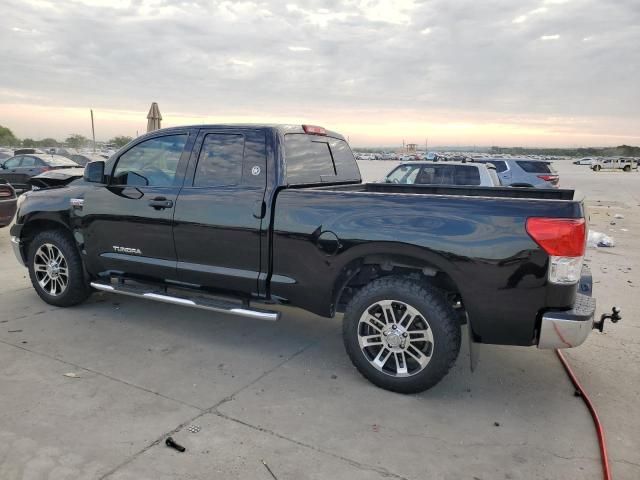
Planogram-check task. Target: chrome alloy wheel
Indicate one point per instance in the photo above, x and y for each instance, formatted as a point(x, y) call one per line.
point(51, 270)
point(395, 338)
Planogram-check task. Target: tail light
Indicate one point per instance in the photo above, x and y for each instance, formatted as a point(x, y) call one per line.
point(45, 169)
point(6, 192)
point(549, 178)
point(314, 130)
point(564, 240)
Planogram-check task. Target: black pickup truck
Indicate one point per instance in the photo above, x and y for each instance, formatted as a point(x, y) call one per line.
point(243, 218)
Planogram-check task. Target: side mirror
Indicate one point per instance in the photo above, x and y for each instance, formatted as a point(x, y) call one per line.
point(94, 172)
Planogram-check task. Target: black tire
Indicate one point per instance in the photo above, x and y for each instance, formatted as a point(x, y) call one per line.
point(627, 168)
point(77, 289)
point(436, 313)
point(597, 168)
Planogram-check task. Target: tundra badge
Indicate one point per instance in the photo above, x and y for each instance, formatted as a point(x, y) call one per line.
point(135, 251)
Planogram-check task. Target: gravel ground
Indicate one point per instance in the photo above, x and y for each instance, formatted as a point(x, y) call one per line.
point(286, 393)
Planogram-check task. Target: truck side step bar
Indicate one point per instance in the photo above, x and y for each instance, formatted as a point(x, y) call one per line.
point(159, 295)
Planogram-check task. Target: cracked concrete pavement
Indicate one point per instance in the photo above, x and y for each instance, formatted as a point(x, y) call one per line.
point(285, 393)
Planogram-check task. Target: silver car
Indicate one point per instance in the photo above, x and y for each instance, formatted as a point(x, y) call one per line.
point(450, 173)
point(524, 172)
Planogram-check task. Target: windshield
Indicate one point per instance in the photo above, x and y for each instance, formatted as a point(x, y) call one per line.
point(403, 174)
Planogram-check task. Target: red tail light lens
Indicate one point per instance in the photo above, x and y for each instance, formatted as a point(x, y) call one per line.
point(6, 192)
point(549, 178)
point(564, 237)
point(314, 130)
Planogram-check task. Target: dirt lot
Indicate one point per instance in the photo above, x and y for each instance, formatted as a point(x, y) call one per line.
point(286, 393)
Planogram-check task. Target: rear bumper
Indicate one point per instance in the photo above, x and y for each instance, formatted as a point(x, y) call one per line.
point(570, 328)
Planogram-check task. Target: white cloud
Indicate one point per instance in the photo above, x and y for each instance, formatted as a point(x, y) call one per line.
point(240, 63)
point(520, 19)
point(354, 54)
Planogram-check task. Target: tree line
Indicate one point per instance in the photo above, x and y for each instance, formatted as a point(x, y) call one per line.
point(75, 140)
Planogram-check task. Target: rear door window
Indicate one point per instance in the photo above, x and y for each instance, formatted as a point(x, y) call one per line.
point(316, 159)
point(436, 175)
point(530, 166)
point(220, 160)
point(466, 175)
point(28, 162)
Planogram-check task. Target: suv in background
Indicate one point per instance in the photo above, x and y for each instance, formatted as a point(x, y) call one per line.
point(430, 173)
point(624, 164)
point(523, 172)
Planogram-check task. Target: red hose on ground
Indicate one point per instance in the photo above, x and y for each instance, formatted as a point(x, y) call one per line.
point(606, 470)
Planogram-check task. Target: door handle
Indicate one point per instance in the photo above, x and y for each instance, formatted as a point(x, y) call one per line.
point(160, 203)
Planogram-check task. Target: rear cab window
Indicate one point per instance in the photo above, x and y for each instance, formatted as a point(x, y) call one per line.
point(318, 159)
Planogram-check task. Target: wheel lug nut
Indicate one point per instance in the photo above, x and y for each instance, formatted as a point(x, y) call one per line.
point(405, 334)
point(394, 326)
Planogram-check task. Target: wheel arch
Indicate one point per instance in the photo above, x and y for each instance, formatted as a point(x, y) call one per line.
point(37, 224)
point(379, 260)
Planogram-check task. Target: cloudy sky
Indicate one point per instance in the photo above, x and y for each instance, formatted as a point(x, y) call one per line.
point(460, 72)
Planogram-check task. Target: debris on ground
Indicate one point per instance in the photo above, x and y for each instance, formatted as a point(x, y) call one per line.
point(169, 442)
point(194, 428)
point(618, 215)
point(71, 375)
point(14, 331)
point(496, 424)
point(599, 239)
point(273, 475)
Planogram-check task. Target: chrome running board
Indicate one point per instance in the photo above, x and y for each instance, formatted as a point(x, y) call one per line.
point(219, 306)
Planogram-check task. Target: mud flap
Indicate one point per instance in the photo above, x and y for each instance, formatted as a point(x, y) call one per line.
point(473, 349)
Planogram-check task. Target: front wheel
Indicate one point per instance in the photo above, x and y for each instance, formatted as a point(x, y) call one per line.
point(401, 335)
point(56, 270)
point(597, 168)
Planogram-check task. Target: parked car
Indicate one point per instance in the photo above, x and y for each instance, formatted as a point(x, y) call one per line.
point(241, 218)
point(624, 164)
point(8, 202)
point(584, 161)
point(83, 158)
point(451, 173)
point(520, 172)
point(19, 169)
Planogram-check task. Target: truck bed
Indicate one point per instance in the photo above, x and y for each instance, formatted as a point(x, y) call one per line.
point(466, 191)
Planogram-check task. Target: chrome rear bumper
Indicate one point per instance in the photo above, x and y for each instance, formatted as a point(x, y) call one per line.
point(570, 328)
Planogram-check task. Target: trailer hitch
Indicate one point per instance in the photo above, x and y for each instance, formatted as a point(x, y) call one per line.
point(614, 316)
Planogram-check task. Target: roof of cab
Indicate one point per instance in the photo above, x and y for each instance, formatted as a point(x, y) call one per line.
point(283, 128)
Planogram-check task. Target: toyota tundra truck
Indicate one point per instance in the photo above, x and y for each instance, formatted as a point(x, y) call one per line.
point(241, 219)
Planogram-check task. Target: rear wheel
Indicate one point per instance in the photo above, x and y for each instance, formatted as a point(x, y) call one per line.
point(56, 270)
point(401, 335)
point(596, 168)
point(627, 168)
